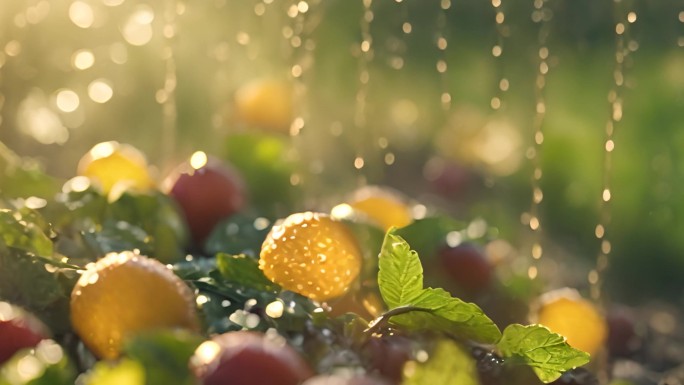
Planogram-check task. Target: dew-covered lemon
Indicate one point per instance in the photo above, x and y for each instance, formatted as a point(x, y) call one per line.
point(126, 293)
point(382, 206)
point(311, 254)
point(110, 164)
point(565, 312)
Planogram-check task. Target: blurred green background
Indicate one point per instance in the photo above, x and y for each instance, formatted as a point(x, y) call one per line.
point(218, 46)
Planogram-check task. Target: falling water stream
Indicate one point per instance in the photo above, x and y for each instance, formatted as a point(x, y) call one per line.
point(542, 17)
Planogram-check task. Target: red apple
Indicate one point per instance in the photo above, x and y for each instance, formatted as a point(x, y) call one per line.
point(468, 267)
point(18, 330)
point(248, 358)
point(207, 191)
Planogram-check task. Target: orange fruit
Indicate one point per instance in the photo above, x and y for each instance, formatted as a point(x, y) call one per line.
point(381, 206)
point(565, 312)
point(126, 293)
point(112, 164)
point(266, 104)
point(311, 254)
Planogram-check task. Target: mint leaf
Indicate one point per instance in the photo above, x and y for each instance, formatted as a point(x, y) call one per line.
point(448, 364)
point(451, 315)
point(546, 352)
point(401, 285)
point(401, 275)
point(243, 270)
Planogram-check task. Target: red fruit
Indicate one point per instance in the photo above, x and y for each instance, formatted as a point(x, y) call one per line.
point(18, 330)
point(623, 339)
point(340, 380)
point(467, 265)
point(387, 355)
point(207, 192)
point(448, 178)
point(249, 358)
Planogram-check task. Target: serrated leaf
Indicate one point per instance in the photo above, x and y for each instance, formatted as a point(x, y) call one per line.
point(401, 285)
point(448, 364)
point(451, 315)
point(243, 270)
point(401, 275)
point(546, 352)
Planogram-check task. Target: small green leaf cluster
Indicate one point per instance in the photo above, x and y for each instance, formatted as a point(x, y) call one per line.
point(416, 308)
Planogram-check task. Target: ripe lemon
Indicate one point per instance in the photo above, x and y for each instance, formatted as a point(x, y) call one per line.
point(126, 293)
point(382, 207)
point(110, 164)
point(266, 104)
point(311, 254)
point(565, 312)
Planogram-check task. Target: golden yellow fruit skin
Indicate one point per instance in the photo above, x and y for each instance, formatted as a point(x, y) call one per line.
point(311, 254)
point(126, 293)
point(266, 104)
point(384, 208)
point(112, 163)
point(576, 319)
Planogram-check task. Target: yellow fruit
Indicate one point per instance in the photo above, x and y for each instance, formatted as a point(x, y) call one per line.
point(383, 207)
point(266, 104)
point(565, 312)
point(311, 254)
point(110, 164)
point(126, 293)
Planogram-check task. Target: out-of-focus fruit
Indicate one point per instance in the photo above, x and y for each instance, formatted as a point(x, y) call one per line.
point(249, 358)
point(342, 380)
point(467, 266)
point(265, 103)
point(112, 164)
point(18, 330)
point(126, 293)
point(382, 207)
point(448, 178)
point(311, 254)
point(565, 312)
point(623, 339)
point(387, 354)
point(207, 191)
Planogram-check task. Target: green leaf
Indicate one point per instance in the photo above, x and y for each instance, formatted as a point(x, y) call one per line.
point(22, 231)
point(244, 270)
point(24, 177)
point(164, 355)
point(401, 275)
point(401, 286)
point(451, 315)
point(449, 364)
point(546, 352)
point(239, 234)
